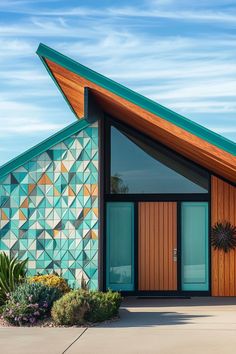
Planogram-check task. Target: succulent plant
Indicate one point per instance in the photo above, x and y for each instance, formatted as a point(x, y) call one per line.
point(223, 236)
point(12, 273)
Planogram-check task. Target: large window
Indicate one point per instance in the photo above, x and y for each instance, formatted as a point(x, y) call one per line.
point(139, 167)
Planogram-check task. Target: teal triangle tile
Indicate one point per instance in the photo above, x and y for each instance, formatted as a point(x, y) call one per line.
point(5, 202)
point(31, 272)
point(13, 179)
point(19, 176)
point(94, 155)
point(64, 264)
point(24, 211)
point(33, 176)
point(48, 265)
point(72, 266)
point(93, 285)
point(39, 265)
point(3, 245)
point(7, 189)
point(23, 244)
point(6, 180)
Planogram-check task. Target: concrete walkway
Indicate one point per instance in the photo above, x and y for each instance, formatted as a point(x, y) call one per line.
point(184, 326)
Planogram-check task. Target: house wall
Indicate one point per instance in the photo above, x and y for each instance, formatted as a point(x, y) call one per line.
point(49, 210)
point(223, 208)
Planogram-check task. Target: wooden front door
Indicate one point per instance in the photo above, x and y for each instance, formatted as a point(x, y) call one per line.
point(157, 246)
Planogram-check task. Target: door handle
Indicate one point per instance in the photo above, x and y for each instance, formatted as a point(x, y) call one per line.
point(175, 254)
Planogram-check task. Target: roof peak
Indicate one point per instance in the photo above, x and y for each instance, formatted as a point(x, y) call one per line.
point(196, 129)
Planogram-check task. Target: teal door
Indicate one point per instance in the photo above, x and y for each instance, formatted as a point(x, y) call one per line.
point(120, 246)
point(194, 246)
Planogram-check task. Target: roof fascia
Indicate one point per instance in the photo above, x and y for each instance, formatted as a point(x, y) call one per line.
point(196, 129)
point(57, 85)
point(43, 146)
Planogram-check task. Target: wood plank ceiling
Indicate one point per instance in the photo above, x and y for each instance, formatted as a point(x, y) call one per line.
point(189, 145)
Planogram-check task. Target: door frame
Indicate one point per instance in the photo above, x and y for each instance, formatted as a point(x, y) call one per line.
point(104, 197)
point(179, 291)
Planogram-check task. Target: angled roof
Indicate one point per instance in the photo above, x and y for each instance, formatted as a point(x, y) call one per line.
point(48, 53)
point(42, 147)
point(195, 142)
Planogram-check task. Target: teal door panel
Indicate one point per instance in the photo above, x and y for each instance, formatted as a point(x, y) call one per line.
point(120, 246)
point(194, 246)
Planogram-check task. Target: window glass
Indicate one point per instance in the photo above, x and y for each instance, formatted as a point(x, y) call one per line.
point(138, 167)
point(120, 258)
point(194, 240)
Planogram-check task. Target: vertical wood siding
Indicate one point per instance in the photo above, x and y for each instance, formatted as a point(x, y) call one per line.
point(223, 208)
point(157, 239)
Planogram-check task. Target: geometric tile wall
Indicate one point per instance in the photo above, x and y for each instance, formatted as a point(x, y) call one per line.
point(49, 210)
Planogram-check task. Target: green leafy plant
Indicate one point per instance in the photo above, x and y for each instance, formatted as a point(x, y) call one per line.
point(12, 272)
point(103, 306)
point(71, 308)
point(223, 236)
point(52, 280)
point(81, 306)
point(29, 303)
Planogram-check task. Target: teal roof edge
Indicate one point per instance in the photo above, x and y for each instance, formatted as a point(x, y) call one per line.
point(57, 85)
point(221, 142)
point(43, 146)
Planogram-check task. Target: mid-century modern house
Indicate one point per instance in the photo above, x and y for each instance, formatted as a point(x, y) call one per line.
point(126, 197)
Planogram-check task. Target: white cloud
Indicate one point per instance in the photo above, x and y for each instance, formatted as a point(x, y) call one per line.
point(160, 48)
point(27, 127)
point(20, 76)
point(164, 9)
point(19, 118)
point(15, 48)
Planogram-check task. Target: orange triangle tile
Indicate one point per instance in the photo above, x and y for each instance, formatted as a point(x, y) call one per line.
point(94, 189)
point(21, 215)
point(25, 204)
point(70, 192)
point(86, 191)
point(93, 235)
point(55, 233)
point(44, 180)
point(31, 187)
point(3, 216)
point(47, 180)
point(86, 211)
point(56, 192)
point(63, 168)
point(95, 211)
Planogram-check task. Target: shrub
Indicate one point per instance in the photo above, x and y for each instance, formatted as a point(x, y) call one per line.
point(52, 280)
point(80, 306)
point(12, 272)
point(29, 303)
point(103, 306)
point(71, 308)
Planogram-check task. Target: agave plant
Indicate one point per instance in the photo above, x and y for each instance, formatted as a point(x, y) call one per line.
point(12, 272)
point(223, 236)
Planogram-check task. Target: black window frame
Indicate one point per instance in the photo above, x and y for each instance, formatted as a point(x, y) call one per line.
point(105, 196)
point(122, 127)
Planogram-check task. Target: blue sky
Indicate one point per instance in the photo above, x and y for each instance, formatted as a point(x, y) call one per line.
point(180, 53)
